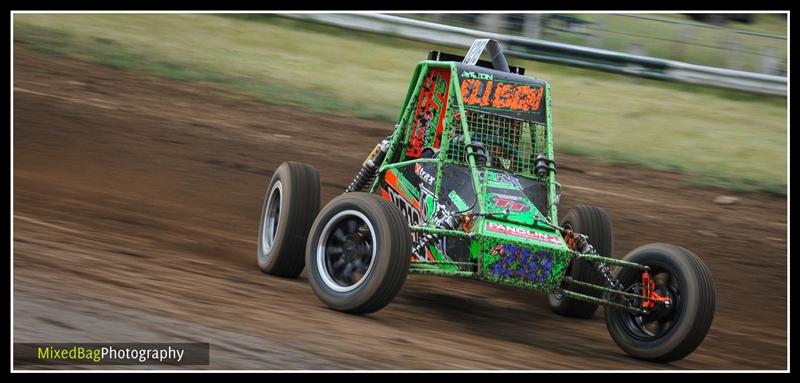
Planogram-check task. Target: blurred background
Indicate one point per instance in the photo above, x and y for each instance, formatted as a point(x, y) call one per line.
point(143, 144)
point(741, 41)
point(359, 65)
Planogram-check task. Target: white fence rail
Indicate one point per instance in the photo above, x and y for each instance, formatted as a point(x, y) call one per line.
point(541, 50)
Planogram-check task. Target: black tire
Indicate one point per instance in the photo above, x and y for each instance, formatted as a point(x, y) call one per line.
point(685, 323)
point(377, 255)
point(294, 192)
point(594, 223)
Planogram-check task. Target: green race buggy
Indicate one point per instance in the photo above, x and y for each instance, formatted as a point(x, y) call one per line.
point(466, 186)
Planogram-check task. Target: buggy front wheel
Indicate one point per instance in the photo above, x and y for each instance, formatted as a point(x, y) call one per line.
point(669, 331)
point(358, 253)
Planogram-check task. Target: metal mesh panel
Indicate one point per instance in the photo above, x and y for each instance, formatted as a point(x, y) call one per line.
point(511, 144)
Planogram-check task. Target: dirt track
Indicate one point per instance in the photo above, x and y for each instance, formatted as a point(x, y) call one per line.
point(136, 208)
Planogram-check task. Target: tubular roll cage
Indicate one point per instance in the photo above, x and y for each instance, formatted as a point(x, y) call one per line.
point(398, 140)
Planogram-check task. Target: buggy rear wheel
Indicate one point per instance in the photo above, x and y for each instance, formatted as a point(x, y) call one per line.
point(358, 253)
point(594, 223)
point(289, 208)
point(668, 332)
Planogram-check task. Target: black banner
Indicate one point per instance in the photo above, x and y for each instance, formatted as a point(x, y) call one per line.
point(502, 93)
point(178, 354)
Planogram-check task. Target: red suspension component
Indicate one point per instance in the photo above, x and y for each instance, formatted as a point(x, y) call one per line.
point(649, 291)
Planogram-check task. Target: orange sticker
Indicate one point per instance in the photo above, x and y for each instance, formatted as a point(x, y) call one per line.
point(500, 95)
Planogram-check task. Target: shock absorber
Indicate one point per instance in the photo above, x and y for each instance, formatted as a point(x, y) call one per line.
point(445, 221)
point(369, 169)
point(583, 246)
point(612, 281)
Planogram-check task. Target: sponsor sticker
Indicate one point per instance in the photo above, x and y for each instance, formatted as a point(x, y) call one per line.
point(423, 175)
point(521, 232)
point(512, 203)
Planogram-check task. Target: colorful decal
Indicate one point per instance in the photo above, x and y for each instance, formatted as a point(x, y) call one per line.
point(459, 202)
point(520, 262)
point(398, 189)
point(477, 75)
point(502, 93)
point(402, 187)
point(521, 232)
point(395, 191)
point(430, 206)
point(409, 211)
point(502, 180)
point(423, 175)
point(428, 123)
point(510, 202)
point(499, 95)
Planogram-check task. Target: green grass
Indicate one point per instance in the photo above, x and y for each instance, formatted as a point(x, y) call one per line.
point(724, 138)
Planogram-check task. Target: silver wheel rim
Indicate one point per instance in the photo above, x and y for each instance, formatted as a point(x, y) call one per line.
point(271, 216)
point(322, 250)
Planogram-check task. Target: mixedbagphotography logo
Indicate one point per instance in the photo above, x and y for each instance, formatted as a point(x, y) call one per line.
point(189, 354)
